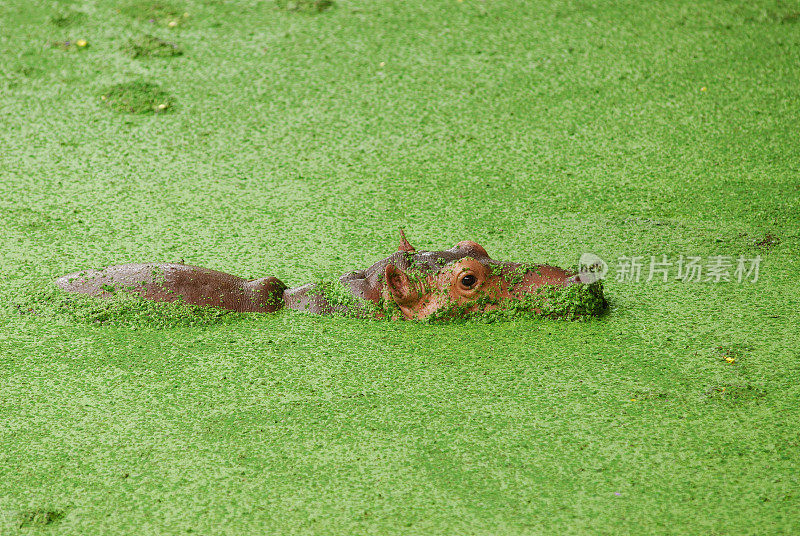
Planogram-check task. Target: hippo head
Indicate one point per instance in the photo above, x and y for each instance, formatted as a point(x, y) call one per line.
point(464, 281)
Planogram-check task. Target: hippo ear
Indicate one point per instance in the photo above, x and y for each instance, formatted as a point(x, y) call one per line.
point(404, 244)
point(399, 285)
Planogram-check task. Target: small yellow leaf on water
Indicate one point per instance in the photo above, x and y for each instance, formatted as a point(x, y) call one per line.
point(81, 42)
point(172, 23)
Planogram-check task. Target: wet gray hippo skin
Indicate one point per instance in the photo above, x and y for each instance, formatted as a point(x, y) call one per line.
point(418, 283)
point(171, 282)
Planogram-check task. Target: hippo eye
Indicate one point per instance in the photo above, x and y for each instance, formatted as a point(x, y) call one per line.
point(468, 280)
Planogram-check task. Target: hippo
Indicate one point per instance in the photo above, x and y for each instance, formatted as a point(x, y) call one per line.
point(462, 281)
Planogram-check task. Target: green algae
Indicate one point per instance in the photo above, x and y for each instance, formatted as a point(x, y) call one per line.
point(516, 276)
point(138, 97)
point(581, 115)
point(67, 17)
point(735, 393)
point(45, 300)
point(575, 302)
point(344, 303)
point(305, 6)
point(150, 46)
point(40, 517)
point(145, 10)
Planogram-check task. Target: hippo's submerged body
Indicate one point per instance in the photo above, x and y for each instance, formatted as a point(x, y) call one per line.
point(409, 284)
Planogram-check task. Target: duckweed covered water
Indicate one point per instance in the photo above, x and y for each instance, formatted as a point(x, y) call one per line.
point(298, 145)
point(137, 97)
point(44, 300)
